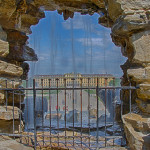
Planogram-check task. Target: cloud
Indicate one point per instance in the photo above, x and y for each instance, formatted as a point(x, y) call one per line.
point(82, 22)
point(77, 22)
point(85, 22)
point(43, 57)
point(105, 56)
point(76, 25)
point(93, 41)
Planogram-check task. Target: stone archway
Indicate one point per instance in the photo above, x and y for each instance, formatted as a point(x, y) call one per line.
point(130, 24)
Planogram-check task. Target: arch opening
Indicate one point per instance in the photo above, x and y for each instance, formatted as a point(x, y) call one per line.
point(77, 45)
point(130, 30)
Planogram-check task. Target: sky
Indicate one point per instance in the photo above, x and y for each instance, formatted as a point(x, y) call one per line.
point(79, 45)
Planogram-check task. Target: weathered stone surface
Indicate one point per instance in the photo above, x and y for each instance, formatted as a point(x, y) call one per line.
point(3, 35)
point(7, 143)
point(21, 53)
point(110, 144)
point(144, 106)
point(2, 97)
point(141, 45)
point(17, 47)
point(19, 15)
point(105, 21)
point(129, 16)
point(10, 83)
point(140, 74)
point(136, 128)
point(25, 67)
point(6, 126)
point(9, 69)
point(144, 91)
point(4, 48)
point(8, 114)
point(99, 3)
point(4, 45)
point(6, 120)
point(113, 148)
point(128, 19)
point(17, 99)
point(29, 54)
point(114, 9)
point(16, 37)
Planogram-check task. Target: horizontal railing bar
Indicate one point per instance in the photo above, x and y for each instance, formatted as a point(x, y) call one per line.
point(38, 134)
point(54, 136)
point(61, 136)
point(15, 93)
point(75, 88)
point(15, 135)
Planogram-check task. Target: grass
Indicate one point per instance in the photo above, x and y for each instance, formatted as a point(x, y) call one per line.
point(44, 92)
point(91, 91)
point(47, 92)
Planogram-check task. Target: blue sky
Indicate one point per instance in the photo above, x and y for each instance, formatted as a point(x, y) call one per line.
point(78, 45)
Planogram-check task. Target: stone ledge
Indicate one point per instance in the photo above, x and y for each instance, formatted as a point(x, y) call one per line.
point(10, 69)
point(8, 115)
point(10, 144)
point(137, 127)
point(4, 48)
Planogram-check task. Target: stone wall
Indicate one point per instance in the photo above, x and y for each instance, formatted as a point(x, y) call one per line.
point(130, 24)
point(129, 21)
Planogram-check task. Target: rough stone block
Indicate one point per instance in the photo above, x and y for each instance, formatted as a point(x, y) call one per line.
point(137, 127)
point(140, 74)
point(4, 48)
point(10, 69)
point(141, 45)
point(8, 115)
point(144, 106)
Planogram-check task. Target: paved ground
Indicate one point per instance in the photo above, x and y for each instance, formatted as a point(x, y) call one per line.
point(91, 100)
point(7, 143)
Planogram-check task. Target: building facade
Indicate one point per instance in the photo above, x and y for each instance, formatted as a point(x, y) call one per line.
point(70, 79)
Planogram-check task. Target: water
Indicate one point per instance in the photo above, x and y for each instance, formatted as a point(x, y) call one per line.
point(76, 45)
point(29, 116)
point(55, 52)
point(89, 127)
point(29, 113)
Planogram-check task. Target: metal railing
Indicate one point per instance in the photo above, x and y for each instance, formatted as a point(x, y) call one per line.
point(68, 117)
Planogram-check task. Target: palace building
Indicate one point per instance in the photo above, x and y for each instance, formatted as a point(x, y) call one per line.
point(73, 79)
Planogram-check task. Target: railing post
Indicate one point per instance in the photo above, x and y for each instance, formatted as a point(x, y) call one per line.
point(50, 110)
point(81, 108)
point(113, 102)
point(27, 115)
point(57, 112)
point(130, 97)
point(97, 125)
point(6, 95)
point(42, 112)
point(34, 101)
point(13, 106)
point(73, 79)
point(20, 99)
point(105, 109)
point(89, 109)
point(65, 109)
